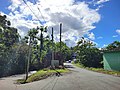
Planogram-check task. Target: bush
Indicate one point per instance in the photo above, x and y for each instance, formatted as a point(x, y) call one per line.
point(91, 57)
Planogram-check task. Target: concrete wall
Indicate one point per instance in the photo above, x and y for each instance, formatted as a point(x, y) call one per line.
point(55, 63)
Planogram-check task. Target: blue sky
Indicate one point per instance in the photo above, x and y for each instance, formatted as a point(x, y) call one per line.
point(109, 23)
point(76, 15)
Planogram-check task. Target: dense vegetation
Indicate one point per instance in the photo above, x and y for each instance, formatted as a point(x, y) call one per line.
point(115, 46)
point(9, 37)
point(87, 54)
point(15, 52)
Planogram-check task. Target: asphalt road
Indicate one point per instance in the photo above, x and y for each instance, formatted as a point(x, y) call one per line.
point(78, 79)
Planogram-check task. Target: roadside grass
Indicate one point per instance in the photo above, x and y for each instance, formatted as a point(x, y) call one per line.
point(41, 74)
point(100, 70)
point(78, 65)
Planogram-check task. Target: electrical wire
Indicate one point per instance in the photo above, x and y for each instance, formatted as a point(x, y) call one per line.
point(51, 12)
point(40, 13)
point(33, 12)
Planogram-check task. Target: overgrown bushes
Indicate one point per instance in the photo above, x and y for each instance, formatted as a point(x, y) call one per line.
point(87, 54)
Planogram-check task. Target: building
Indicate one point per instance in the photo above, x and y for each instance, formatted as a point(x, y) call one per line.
point(111, 60)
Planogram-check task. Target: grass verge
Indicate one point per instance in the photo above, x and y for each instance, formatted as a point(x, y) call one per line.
point(100, 70)
point(41, 74)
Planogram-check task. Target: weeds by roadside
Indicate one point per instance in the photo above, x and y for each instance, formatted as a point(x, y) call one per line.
point(42, 74)
point(100, 70)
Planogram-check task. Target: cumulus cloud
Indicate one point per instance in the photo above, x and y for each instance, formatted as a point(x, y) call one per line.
point(91, 36)
point(101, 1)
point(114, 36)
point(105, 45)
point(100, 37)
point(118, 31)
point(77, 18)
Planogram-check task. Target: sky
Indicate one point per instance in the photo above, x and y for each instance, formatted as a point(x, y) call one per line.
point(96, 20)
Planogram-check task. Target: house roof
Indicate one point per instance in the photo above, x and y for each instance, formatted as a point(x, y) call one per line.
point(112, 50)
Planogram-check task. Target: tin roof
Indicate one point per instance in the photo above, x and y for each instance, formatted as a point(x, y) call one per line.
point(113, 50)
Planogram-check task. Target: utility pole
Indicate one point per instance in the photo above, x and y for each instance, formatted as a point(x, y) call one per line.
point(42, 29)
point(41, 43)
point(60, 43)
point(41, 40)
point(52, 45)
point(60, 35)
point(28, 61)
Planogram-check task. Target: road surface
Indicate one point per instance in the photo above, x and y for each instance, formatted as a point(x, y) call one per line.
point(78, 79)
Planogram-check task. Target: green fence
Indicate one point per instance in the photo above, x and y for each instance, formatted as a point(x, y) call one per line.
point(112, 60)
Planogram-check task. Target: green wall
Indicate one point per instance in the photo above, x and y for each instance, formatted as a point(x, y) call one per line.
point(112, 60)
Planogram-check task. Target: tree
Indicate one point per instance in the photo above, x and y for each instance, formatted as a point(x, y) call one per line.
point(65, 50)
point(87, 54)
point(8, 35)
point(114, 46)
point(8, 38)
point(36, 51)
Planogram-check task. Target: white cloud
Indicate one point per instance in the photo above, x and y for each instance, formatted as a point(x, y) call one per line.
point(15, 4)
point(118, 31)
point(91, 36)
point(77, 19)
point(100, 37)
point(16, 1)
point(115, 36)
point(101, 1)
point(105, 45)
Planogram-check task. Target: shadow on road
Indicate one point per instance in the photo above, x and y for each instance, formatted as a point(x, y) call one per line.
point(2, 79)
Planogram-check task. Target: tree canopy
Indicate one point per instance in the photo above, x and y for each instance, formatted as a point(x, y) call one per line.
point(113, 46)
point(87, 54)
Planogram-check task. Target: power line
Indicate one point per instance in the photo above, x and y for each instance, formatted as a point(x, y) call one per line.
point(41, 14)
point(51, 11)
point(39, 11)
point(32, 12)
point(35, 14)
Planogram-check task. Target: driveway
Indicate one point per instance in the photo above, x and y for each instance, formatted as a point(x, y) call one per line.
point(78, 79)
